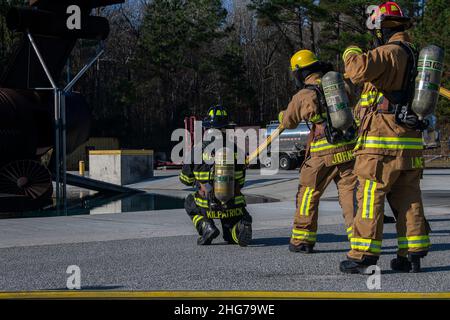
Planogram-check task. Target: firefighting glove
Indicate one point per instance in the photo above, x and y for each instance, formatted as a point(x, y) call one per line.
point(351, 50)
point(350, 134)
point(406, 118)
point(411, 121)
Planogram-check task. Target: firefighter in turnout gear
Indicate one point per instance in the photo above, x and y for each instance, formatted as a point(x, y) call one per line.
point(324, 162)
point(204, 206)
point(389, 157)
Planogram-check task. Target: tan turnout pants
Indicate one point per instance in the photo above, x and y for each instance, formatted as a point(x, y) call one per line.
point(400, 177)
point(315, 176)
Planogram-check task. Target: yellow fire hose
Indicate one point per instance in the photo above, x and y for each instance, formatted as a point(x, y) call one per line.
point(255, 154)
point(444, 92)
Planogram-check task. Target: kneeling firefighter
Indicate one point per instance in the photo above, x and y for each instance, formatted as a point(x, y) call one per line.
point(322, 101)
point(218, 196)
point(400, 90)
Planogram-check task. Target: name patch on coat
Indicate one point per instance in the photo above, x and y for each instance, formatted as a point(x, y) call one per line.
point(344, 156)
point(230, 213)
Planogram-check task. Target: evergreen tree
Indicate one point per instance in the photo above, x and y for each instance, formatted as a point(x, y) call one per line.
point(7, 38)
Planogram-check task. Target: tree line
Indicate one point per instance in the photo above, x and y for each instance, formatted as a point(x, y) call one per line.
point(169, 59)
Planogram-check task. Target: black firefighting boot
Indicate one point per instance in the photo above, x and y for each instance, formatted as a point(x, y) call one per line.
point(414, 259)
point(242, 232)
point(358, 266)
point(208, 232)
point(302, 248)
point(408, 264)
point(401, 264)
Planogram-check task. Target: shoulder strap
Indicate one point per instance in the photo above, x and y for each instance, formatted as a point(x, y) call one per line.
point(320, 96)
point(405, 95)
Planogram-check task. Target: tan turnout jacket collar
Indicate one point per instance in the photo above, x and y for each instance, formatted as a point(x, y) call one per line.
point(400, 36)
point(313, 78)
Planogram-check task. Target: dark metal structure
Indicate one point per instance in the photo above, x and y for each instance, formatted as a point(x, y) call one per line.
point(38, 112)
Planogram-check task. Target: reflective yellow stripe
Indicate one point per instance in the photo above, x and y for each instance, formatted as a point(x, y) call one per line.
point(304, 235)
point(365, 248)
point(304, 238)
point(322, 144)
point(202, 175)
point(396, 139)
point(203, 203)
point(371, 95)
point(414, 245)
point(418, 162)
point(414, 242)
point(395, 143)
point(186, 178)
point(308, 205)
point(364, 206)
point(238, 175)
point(205, 175)
point(218, 113)
point(372, 199)
point(239, 200)
point(306, 201)
point(233, 233)
point(368, 245)
point(197, 219)
point(318, 118)
point(354, 50)
point(350, 232)
point(207, 157)
point(383, 145)
point(414, 238)
point(369, 199)
point(368, 99)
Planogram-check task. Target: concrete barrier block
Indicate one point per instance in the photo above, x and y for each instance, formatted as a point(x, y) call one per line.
point(121, 167)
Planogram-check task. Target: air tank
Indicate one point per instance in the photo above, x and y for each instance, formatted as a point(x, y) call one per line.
point(224, 175)
point(429, 73)
point(337, 101)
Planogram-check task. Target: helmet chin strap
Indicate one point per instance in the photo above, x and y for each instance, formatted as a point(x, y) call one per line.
point(378, 38)
point(299, 79)
point(299, 83)
point(383, 35)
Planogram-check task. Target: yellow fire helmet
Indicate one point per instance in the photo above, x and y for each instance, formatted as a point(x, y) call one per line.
point(302, 59)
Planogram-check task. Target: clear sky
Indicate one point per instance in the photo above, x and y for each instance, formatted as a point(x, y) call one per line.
point(228, 4)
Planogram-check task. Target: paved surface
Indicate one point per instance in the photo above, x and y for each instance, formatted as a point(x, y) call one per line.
point(157, 251)
point(176, 263)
